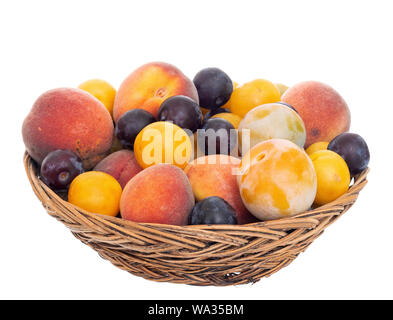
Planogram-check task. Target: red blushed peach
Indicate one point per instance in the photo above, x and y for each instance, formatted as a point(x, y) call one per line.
point(68, 118)
point(158, 194)
point(324, 112)
point(149, 85)
point(121, 165)
point(215, 175)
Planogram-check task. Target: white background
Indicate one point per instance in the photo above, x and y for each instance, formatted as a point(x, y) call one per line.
point(49, 44)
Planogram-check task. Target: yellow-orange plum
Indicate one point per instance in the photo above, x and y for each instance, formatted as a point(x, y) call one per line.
point(96, 192)
point(232, 118)
point(317, 146)
point(162, 142)
point(332, 174)
point(277, 179)
point(102, 90)
point(251, 95)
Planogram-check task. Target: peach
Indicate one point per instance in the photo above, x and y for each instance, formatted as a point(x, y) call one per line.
point(323, 110)
point(277, 179)
point(68, 118)
point(121, 165)
point(158, 194)
point(215, 175)
point(149, 85)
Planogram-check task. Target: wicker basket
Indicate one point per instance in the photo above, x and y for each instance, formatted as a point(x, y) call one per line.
point(219, 255)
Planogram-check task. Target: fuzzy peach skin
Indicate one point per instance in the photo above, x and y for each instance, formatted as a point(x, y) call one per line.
point(214, 175)
point(121, 165)
point(158, 194)
point(68, 118)
point(149, 85)
point(323, 110)
point(277, 179)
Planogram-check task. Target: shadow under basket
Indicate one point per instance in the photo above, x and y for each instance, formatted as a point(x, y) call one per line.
point(218, 255)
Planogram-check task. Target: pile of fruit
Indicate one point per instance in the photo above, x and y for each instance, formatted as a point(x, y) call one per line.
point(165, 149)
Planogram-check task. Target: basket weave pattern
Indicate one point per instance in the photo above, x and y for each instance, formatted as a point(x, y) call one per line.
point(218, 255)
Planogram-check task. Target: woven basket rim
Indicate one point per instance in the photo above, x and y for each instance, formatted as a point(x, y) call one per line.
point(31, 165)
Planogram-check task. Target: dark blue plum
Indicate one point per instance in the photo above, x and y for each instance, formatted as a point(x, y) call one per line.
point(182, 111)
point(353, 149)
point(213, 112)
point(214, 87)
point(212, 210)
point(130, 124)
point(217, 136)
point(288, 105)
point(59, 168)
